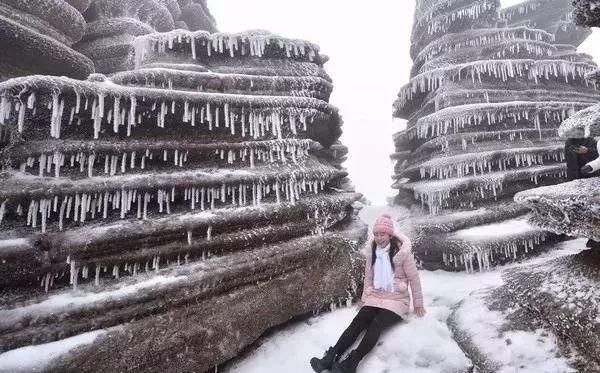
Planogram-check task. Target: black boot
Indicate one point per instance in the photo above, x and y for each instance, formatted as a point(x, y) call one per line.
point(592, 244)
point(325, 363)
point(348, 365)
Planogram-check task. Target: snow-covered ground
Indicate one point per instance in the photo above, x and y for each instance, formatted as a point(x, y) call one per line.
point(417, 346)
point(420, 345)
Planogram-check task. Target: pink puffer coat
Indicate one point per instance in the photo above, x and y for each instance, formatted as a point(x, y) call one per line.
point(405, 274)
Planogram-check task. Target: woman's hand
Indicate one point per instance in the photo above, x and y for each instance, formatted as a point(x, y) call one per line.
point(420, 311)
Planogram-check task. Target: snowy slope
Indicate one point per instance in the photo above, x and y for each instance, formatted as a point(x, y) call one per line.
point(421, 345)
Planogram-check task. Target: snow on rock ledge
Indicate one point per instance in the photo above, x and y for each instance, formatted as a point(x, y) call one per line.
point(571, 208)
point(585, 123)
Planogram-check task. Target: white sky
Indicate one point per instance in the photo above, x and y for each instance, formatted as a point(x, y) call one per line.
point(368, 46)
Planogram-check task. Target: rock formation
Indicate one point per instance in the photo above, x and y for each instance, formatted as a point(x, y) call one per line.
point(190, 203)
point(550, 305)
point(112, 26)
point(587, 12)
point(36, 37)
point(563, 295)
point(488, 89)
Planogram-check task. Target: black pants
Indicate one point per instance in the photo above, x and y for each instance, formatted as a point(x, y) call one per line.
point(373, 321)
point(576, 161)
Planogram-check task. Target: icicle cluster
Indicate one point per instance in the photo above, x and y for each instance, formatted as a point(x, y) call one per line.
point(452, 43)
point(502, 70)
point(456, 118)
point(483, 258)
point(439, 24)
point(108, 163)
point(250, 43)
point(131, 148)
point(209, 110)
point(486, 162)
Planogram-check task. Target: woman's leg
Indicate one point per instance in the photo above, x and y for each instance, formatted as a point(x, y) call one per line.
point(384, 320)
point(361, 321)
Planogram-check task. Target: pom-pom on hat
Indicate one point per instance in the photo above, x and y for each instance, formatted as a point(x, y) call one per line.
point(384, 224)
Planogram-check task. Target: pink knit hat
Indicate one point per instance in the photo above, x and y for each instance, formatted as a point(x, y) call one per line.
point(384, 224)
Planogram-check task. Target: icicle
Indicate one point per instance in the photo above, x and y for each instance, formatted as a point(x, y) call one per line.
point(226, 115)
point(97, 276)
point(115, 111)
point(186, 113)
point(21, 119)
point(2, 210)
point(131, 117)
point(74, 273)
point(115, 272)
point(31, 101)
point(146, 200)
point(4, 108)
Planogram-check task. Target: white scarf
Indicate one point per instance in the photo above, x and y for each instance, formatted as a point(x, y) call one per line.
point(383, 276)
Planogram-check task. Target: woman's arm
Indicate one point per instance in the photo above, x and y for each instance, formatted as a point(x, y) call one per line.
point(412, 274)
point(410, 269)
point(368, 276)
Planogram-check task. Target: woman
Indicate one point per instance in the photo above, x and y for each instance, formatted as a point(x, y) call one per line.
point(389, 270)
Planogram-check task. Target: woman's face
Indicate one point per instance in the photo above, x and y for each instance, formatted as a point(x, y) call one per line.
point(381, 239)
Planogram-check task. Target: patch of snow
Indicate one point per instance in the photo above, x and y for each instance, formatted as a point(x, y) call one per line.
point(511, 227)
point(507, 3)
point(13, 242)
point(516, 351)
point(33, 359)
point(570, 247)
point(70, 300)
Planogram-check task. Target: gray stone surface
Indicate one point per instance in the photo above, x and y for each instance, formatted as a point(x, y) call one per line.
point(36, 38)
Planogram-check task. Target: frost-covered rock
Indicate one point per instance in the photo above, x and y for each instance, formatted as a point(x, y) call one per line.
point(195, 201)
point(36, 38)
point(192, 316)
point(562, 296)
point(498, 338)
point(584, 123)
point(488, 89)
point(553, 16)
point(109, 42)
point(587, 12)
point(113, 26)
point(571, 208)
point(196, 18)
